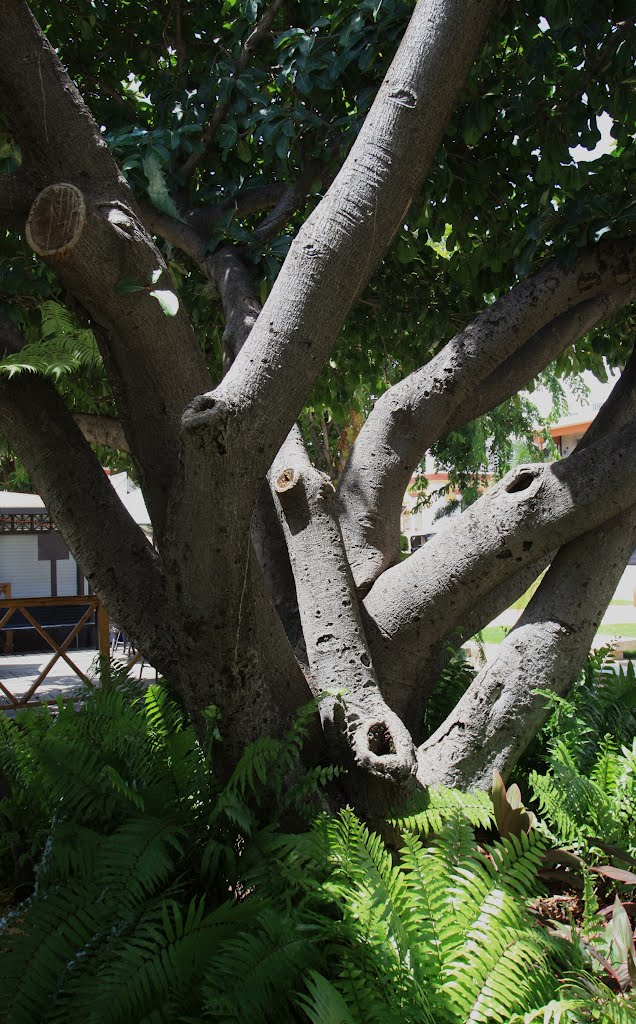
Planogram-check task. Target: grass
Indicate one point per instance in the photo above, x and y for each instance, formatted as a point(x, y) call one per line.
point(618, 629)
point(619, 600)
point(493, 634)
point(522, 601)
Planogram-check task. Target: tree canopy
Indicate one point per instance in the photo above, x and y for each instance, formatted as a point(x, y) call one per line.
point(241, 115)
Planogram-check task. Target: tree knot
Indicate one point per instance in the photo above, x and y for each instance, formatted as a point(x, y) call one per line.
point(524, 480)
point(205, 422)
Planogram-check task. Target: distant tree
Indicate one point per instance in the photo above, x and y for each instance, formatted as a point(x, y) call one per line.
point(394, 187)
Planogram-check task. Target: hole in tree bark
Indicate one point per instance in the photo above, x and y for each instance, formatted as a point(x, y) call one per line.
point(521, 482)
point(380, 740)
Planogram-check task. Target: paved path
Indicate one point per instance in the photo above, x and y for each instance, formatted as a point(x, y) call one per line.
point(19, 671)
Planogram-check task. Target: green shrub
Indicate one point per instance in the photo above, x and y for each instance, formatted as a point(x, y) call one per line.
point(161, 895)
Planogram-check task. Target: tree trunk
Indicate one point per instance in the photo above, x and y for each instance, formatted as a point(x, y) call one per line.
point(253, 607)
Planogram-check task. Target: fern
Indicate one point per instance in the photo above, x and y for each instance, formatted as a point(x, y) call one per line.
point(160, 895)
point(323, 1004)
point(428, 810)
point(273, 957)
point(601, 703)
point(64, 347)
point(579, 807)
point(443, 934)
point(135, 838)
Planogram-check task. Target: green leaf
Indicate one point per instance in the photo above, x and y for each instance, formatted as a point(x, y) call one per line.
point(128, 285)
point(243, 151)
point(157, 188)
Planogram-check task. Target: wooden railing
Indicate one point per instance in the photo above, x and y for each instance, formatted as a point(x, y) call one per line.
point(94, 614)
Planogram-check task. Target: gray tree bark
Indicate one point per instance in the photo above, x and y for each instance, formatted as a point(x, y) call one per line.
point(520, 330)
point(216, 606)
point(501, 711)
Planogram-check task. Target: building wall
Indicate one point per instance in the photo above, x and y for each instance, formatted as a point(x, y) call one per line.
point(626, 589)
point(420, 521)
point(29, 577)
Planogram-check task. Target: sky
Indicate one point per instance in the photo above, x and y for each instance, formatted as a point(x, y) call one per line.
point(598, 392)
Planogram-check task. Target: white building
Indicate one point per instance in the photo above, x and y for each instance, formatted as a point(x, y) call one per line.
point(34, 559)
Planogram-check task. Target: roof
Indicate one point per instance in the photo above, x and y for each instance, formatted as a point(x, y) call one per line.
point(131, 496)
point(127, 491)
point(15, 501)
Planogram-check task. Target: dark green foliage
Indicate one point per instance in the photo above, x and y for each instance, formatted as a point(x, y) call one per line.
point(453, 681)
point(504, 193)
point(142, 859)
point(581, 768)
point(160, 895)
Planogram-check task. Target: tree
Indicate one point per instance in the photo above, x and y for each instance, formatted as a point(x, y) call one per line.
point(402, 192)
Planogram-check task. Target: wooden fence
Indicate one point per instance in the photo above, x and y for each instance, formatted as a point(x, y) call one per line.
point(73, 613)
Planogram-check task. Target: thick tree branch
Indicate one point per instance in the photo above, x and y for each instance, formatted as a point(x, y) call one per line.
point(190, 235)
point(529, 513)
point(112, 550)
point(224, 269)
point(259, 33)
point(413, 414)
point(272, 553)
point(340, 244)
point(241, 309)
point(502, 711)
point(179, 234)
point(86, 229)
point(244, 203)
point(230, 436)
point(154, 361)
point(102, 430)
point(17, 192)
point(337, 650)
point(292, 198)
point(45, 111)
point(236, 649)
point(537, 353)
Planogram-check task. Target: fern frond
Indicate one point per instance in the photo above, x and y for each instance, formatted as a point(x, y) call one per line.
point(44, 938)
point(499, 973)
point(64, 347)
point(368, 884)
point(428, 885)
point(255, 765)
point(428, 810)
point(148, 962)
point(323, 1004)
point(137, 858)
point(273, 956)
